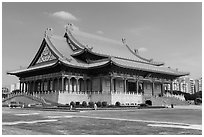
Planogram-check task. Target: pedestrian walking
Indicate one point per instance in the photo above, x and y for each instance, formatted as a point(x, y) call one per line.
point(95, 106)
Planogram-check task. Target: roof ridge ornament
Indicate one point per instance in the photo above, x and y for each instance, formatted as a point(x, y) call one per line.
point(124, 40)
point(136, 51)
point(89, 48)
point(69, 27)
point(48, 32)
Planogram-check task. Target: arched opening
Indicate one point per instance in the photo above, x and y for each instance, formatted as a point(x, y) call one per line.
point(140, 88)
point(72, 84)
point(148, 102)
point(66, 84)
point(88, 82)
point(81, 84)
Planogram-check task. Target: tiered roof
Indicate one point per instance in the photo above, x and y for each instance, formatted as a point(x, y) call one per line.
point(76, 43)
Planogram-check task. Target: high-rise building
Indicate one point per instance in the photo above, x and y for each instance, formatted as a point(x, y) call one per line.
point(15, 86)
point(198, 85)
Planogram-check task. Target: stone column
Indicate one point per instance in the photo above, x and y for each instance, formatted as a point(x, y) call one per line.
point(58, 84)
point(101, 84)
point(162, 89)
point(62, 84)
point(28, 86)
point(125, 85)
point(48, 85)
point(111, 84)
point(53, 85)
point(23, 87)
point(43, 84)
point(171, 87)
point(91, 84)
point(137, 86)
point(153, 88)
point(114, 85)
point(77, 85)
point(34, 86)
point(143, 88)
point(69, 84)
point(85, 85)
point(20, 86)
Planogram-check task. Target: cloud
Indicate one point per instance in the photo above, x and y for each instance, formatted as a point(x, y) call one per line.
point(100, 32)
point(64, 15)
point(142, 49)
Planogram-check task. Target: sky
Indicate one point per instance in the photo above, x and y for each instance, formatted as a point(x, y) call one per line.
point(167, 32)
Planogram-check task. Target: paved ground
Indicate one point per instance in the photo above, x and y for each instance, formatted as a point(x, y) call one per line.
point(168, 121)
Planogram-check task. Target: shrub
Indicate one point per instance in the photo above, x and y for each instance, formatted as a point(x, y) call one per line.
point(104, 104)
point(72, 103)
point(117, 104)
point(84, 104)
point(91, 104)
point(77, 104)
point(99, 104)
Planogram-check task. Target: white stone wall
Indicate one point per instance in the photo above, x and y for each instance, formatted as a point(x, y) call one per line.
point(66, 98)
point(101, 97)
point(126, 98)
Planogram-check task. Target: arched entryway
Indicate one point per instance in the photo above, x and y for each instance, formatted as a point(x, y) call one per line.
point(148, 102)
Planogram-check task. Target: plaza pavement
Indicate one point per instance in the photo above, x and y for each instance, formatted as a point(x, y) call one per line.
point(176, 121)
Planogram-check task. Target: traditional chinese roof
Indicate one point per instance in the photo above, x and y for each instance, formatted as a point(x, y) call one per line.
point(83, 50)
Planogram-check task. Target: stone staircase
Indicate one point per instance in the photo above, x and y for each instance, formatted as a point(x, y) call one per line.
point(31, 97)
point(166, 101)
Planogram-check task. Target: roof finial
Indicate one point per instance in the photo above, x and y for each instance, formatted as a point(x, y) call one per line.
point(136, 51)
point(89, 48)
point(124, 40)
point(48, 32)
point(69, 27)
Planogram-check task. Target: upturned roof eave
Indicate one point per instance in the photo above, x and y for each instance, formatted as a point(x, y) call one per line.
point(177, 74)
point(74, 40)
point(33, 68)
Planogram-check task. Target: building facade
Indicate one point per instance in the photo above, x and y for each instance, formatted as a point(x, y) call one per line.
point(187, 85)
point(198, 85)
point(79, 67)
point(15, 86)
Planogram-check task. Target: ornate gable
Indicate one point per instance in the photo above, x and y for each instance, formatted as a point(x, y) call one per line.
point(46, 55)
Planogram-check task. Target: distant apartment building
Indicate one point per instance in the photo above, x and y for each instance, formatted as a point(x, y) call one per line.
point(5, 92)
point(186, 85)
point(15, 86)
point(198, 84)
